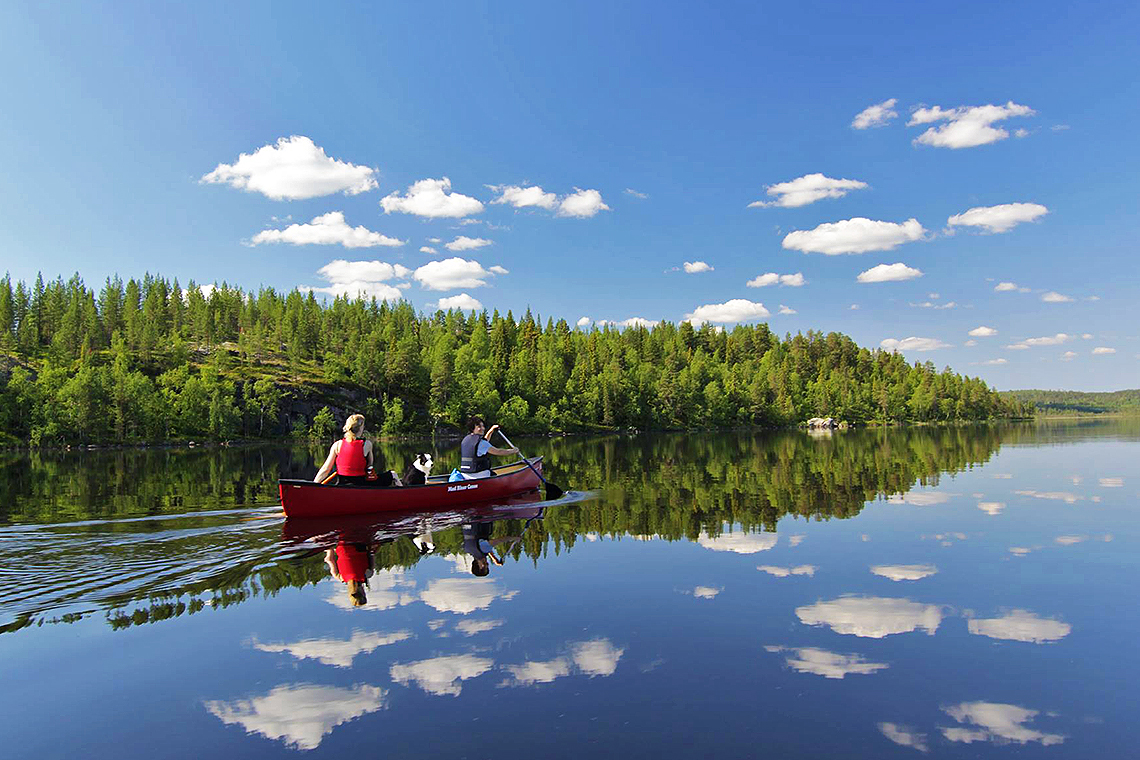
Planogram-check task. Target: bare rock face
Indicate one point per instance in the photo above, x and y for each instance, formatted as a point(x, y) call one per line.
point(826, 423)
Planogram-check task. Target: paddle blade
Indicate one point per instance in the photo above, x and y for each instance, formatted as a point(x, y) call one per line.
point(553, 491)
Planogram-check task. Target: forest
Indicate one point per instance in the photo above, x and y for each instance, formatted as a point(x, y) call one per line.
point(1071, 403)
point(146, 360)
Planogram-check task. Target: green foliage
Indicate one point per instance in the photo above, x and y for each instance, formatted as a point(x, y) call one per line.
point(1051, 403)
point(324, 426)
point(147, 360)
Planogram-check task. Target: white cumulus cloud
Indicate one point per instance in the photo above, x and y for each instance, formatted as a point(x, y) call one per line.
point(1001, 218)
point(904, 736)
point(361, 278)
point(738, 542)
point(582, 204)
point(904, 572)
point(336, 652)
point(1020, 625)
point(787, 310)
point(807, 189)
point(464, 243)
point(326, 229)
point(300, 715)
point(431, 198)
point(771, 278)
point(995, 722)
point(454, 273)
point(871, 616)
point(1009, 287)
point(912, 343)
point(293, 169)
point(784, 572)
point(463, 302)
point(442, 676)
point(694, 267)
point(734, 310)
point(877, 115)
point(1054, 297)
point(983, 332)
point(821, 662)
point(897, 272)
point(857, 235)
point(1046, 340)
point(995, 362)
point(966, 126)
point(1103, 351)
point(525, 197)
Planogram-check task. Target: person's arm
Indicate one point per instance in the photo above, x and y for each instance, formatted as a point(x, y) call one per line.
point(500, 452)
point(330, 560)
point(330, 462)
point(368, 453)
point(490, 432)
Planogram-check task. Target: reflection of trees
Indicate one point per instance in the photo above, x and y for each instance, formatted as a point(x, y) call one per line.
point(671, 486)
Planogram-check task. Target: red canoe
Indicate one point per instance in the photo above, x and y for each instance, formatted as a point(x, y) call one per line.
point(304, 498)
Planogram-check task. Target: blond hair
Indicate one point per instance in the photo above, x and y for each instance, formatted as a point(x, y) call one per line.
point(357, 594)
point(354, 427)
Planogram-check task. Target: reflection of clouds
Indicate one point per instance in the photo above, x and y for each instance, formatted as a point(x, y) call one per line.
point(1112, 482)
point(920, 499)
point(1020, 625)
point(871, 616)
point(995, 722)
point(386, 589)
point(472, 627)
point(441, 675)
point(904, 735)
point(301, 714)
point(797, 539)
point(827, 664)
point(1065, 496)
point(991, 507)
point(336, 652)
point(463, 595)
point(741, 543)
point(784, 572)
point(530, 673)
point(904, 572)
point(1003, 476)
point(705, 592)
point(1020, 551)
point(1070, 540)
point(597, 657)
point(435, 625)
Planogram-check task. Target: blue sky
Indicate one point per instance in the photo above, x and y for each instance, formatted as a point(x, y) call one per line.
point(635, 137)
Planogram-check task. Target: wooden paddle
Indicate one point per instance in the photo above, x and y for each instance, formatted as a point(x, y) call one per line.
point(552, 491)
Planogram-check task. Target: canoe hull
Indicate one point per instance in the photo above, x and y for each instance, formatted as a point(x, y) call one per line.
point(304, 498)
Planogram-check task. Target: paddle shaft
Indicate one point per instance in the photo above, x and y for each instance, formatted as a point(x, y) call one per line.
point(552, 491)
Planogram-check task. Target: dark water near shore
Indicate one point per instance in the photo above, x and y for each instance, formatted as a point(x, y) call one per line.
point(956, 592)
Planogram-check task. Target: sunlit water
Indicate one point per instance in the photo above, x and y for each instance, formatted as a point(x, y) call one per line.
point(961, 592)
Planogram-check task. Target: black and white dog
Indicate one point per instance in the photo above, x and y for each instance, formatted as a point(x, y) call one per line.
point(418, 471)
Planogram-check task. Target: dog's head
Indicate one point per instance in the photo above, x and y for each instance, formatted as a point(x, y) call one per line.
point(423, 463)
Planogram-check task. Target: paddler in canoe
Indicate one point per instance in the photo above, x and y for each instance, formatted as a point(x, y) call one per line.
point(353, 459)
point(475, 450)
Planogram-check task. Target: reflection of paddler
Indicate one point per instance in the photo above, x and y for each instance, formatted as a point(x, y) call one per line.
point(478, 543)
point(351, 563)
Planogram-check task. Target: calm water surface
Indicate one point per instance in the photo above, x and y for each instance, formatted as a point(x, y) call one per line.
point(962, 592)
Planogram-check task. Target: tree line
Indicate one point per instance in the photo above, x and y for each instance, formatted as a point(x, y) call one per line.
point(146, 360)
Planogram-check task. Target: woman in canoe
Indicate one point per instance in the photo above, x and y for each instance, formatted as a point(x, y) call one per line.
point(352, 457)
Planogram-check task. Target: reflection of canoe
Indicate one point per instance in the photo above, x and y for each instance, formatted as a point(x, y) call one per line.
point(304, 498)
point(385, 526)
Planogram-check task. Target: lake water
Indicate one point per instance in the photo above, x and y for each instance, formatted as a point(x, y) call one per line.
point(958, 592)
